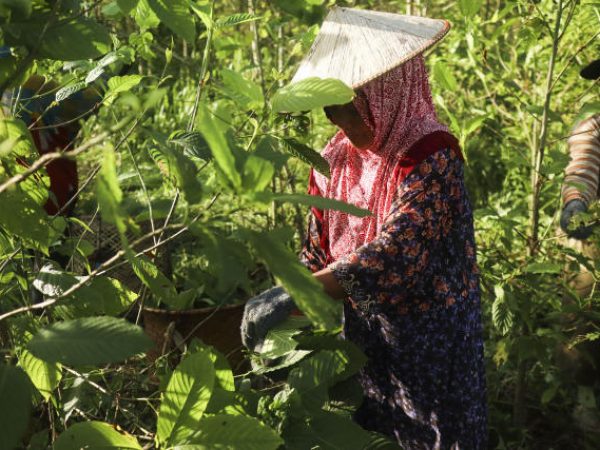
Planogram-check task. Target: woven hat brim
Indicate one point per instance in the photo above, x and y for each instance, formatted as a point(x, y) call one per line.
point(356, 46)
point(437, 38)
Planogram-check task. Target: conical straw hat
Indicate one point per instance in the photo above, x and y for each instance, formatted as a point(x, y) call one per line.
point(356, 45)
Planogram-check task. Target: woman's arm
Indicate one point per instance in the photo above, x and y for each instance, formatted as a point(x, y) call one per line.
point(330, 283)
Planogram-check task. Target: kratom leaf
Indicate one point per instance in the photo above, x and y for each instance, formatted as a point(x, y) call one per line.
point(109, 193)
point(90, 340)
point(306, 154)
point(502, 315)
point(235, 19)
point(65, 92)
point(306, 291)
point(311, 93)
point(176, 15)
point(258, 173)
point(185, 398)
point(193, 144)
point(117, 85)
point(95, 435)
point(315, 375)
point(15, 406)
point(127, 5)
point(154, 279)
point(45, 376)
point(233, 432)
point(444, 77)
point(244, 92)
point(321, 203)
point(219, 146)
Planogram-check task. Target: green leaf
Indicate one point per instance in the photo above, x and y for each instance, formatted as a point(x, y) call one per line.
point(311, 93)
point(185, 398)
point(176, 15)
point(444, 77)
point(45, 376)
point(232, 432)
point(543, 267)
point(315, 375)
point(90, 340)
point(244, 92)
point(109, 193)
point(502, 315)
point(67, 41)
point(21, 216)
point(15, 406)
point(95, 435)
point(258, 173)
point(117, 85)
point(20, 9)
point(469, 7)
point(321, 203)
point(154, 279)
point(65, 92)
point(303, 287)
point(306, 154)
point(15, 136)
point(127, 5)
point(235, 19)
point(193, 143)
point(219, 147)
point(183, 173)
point(145, 17)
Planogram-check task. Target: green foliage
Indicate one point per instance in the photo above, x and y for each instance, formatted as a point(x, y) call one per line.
point(15, 391)
point(90, 340)
point(311, 93)
point(44, 376)
point(185, 398)
point(175, 14)
point(95, 435)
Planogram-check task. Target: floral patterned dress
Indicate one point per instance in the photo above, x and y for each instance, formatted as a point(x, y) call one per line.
point(413, 307)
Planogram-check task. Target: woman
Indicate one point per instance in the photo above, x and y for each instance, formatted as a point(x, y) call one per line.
point(407, 274)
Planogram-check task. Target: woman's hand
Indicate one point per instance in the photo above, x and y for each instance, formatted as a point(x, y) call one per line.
point(570, 210)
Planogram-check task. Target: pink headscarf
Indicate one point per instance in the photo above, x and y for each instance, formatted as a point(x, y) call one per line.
point(397, 106)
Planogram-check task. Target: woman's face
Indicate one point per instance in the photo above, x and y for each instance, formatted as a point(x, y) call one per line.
point(348, 119)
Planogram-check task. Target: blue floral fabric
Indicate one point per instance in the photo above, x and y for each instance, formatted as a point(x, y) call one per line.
point(414, 308)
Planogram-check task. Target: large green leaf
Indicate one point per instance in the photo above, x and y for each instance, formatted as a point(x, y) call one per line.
point(127, 5)
point(258, 173)
point(315, 375)
point(154, 280)
point(299, 282)
point(95, 435)
point(444, 77)
point(90, 340)
point(45, 376)
point(311, 93)
point(244, 92)
point(183, 172)
point(15, 405)
point(469, 7)
point(219, 146)
point(101, 295)
point(321, 203)
point(306, 154)
point(176, 15)
point(109, 193)
point(185, 399)
point(328, 430)
point(119, 84)
point(73, 40)
point(232, 432)
point(22, 216)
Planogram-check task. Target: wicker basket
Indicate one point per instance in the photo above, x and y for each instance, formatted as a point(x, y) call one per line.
point(216, 326)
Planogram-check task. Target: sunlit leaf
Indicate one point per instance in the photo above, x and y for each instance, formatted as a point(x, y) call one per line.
point(311, 93)
point(176, 15)
point(45, 376)
point(95, 435)
point(185, 398)
point(90, 340)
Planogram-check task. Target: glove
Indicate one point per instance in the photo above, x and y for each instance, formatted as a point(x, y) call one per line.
point(572, 208)
point(262, 313)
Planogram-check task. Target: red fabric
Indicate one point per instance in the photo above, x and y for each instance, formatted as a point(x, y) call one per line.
point(62, 172)
point(398, 108)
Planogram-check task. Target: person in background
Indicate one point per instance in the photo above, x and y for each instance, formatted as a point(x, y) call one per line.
point(581, 186)
point(407, 274)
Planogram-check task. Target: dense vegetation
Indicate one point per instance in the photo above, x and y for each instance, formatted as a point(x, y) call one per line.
point(192, 187)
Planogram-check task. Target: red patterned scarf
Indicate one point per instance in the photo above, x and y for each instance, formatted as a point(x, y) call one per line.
point(398, 108)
